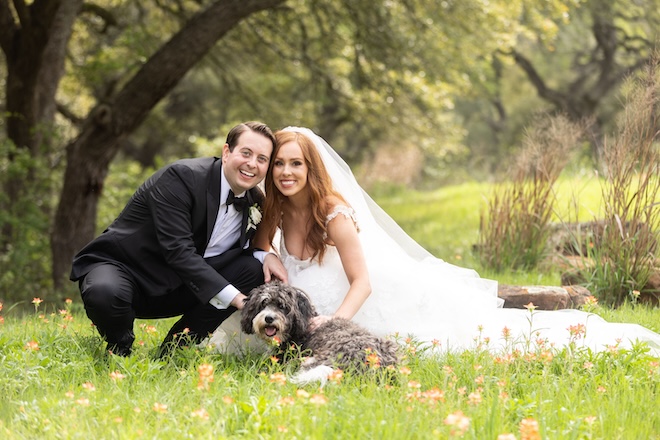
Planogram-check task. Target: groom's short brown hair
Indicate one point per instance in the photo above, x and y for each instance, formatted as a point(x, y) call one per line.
point(256, 126)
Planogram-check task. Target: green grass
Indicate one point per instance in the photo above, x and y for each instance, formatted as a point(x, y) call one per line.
point(57, 383)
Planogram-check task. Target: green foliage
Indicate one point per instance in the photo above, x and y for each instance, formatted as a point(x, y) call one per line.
point(123, 180)
point(57, 383)
point(578, 53)
point(24, 261)
point(360, 73)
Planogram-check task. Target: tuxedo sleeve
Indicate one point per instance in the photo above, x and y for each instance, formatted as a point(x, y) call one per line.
point(172, 201)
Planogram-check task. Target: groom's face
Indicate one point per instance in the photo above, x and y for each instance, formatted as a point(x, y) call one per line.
point(246, 165)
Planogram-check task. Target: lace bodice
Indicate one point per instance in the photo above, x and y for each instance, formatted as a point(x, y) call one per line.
point(314, 278)
point(298, 264)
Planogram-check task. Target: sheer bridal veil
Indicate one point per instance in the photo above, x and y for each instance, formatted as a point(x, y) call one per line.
point(416, 293)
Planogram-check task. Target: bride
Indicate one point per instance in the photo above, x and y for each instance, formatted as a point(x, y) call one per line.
point(354, 261)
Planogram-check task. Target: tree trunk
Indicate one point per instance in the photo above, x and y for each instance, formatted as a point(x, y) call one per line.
point(34, 49)
point(90, 154)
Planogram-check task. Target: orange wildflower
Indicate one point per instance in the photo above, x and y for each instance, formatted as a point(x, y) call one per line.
point(318, 399)
point(159, 407)
point(116, 375)
point(205, 370)
point(284, 401)
point(278, 378)
point(591, 300)
point(373, 361)
point(336, 376)
point(434, 395)
point(577, 331)
point(458, 422)
point(474, 398)
point(200, 414)
point(205, 376)
point(529, 429)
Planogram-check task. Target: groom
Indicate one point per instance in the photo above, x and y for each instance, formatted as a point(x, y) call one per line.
point(181, 246)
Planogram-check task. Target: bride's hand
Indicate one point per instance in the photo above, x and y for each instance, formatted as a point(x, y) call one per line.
point(316, 321)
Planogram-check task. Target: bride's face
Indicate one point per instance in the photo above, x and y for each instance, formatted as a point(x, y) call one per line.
point(290, 169)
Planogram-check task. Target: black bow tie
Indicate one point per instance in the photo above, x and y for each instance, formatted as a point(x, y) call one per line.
point(240, 203)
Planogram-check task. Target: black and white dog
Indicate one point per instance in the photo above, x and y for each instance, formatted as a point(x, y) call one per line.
point(279, 312)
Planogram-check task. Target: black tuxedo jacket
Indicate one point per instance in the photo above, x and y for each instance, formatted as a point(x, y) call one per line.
point(162, 233)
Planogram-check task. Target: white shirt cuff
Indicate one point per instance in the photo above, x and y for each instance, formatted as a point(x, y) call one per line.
point(224, 298)
point(261, 255)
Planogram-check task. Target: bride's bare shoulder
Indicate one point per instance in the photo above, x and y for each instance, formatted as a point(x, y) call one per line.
point(333, 202)
point(337, 206)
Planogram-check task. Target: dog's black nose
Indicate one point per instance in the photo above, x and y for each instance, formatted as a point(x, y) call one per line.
point(269, 319)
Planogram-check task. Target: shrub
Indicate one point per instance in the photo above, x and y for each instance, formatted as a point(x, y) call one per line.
point(24, 245)
point(624, 258)
point(514, 229)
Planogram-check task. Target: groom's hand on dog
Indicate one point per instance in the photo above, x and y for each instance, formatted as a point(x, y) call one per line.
point(238, 301)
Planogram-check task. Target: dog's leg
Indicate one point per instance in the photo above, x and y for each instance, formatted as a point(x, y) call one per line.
point(320, 373)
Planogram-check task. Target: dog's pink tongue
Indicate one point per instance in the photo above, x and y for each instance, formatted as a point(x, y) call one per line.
point(270, 331)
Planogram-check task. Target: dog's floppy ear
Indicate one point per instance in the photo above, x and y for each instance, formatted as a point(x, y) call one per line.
point(305, 306)
point(248, 313)
point(304, 312)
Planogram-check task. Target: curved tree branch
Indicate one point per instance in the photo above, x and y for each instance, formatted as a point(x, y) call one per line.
point(90, 154)
point(556, 98)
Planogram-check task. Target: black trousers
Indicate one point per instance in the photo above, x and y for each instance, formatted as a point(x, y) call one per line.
point(113, 301)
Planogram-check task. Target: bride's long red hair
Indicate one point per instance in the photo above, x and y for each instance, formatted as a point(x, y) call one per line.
point(321, 193)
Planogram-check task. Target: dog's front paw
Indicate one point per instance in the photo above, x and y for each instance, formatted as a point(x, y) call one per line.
point(319, 373)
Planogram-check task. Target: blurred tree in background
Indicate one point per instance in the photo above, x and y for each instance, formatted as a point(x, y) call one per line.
point(87, 83)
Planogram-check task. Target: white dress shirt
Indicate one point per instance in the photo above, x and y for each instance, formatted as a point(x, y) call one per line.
point(226, 231)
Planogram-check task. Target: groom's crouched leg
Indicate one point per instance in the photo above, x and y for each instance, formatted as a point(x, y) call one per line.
point(107, 293)
point(245, 273)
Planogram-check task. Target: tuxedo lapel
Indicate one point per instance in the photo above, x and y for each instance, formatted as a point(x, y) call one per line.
point(213, 198)
point(246, 216)
point(244, 224)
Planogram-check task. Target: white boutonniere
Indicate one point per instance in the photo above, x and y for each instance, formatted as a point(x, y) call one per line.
point(254, 217)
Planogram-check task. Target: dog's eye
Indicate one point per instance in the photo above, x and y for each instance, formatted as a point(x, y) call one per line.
point(282, 306)
point(264, 302)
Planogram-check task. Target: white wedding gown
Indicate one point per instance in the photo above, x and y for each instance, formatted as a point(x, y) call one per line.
point(415, 294)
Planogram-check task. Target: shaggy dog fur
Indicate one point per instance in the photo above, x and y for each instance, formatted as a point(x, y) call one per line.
point(277, 310)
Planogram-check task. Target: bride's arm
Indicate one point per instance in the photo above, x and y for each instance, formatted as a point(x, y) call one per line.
point(343, 233)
